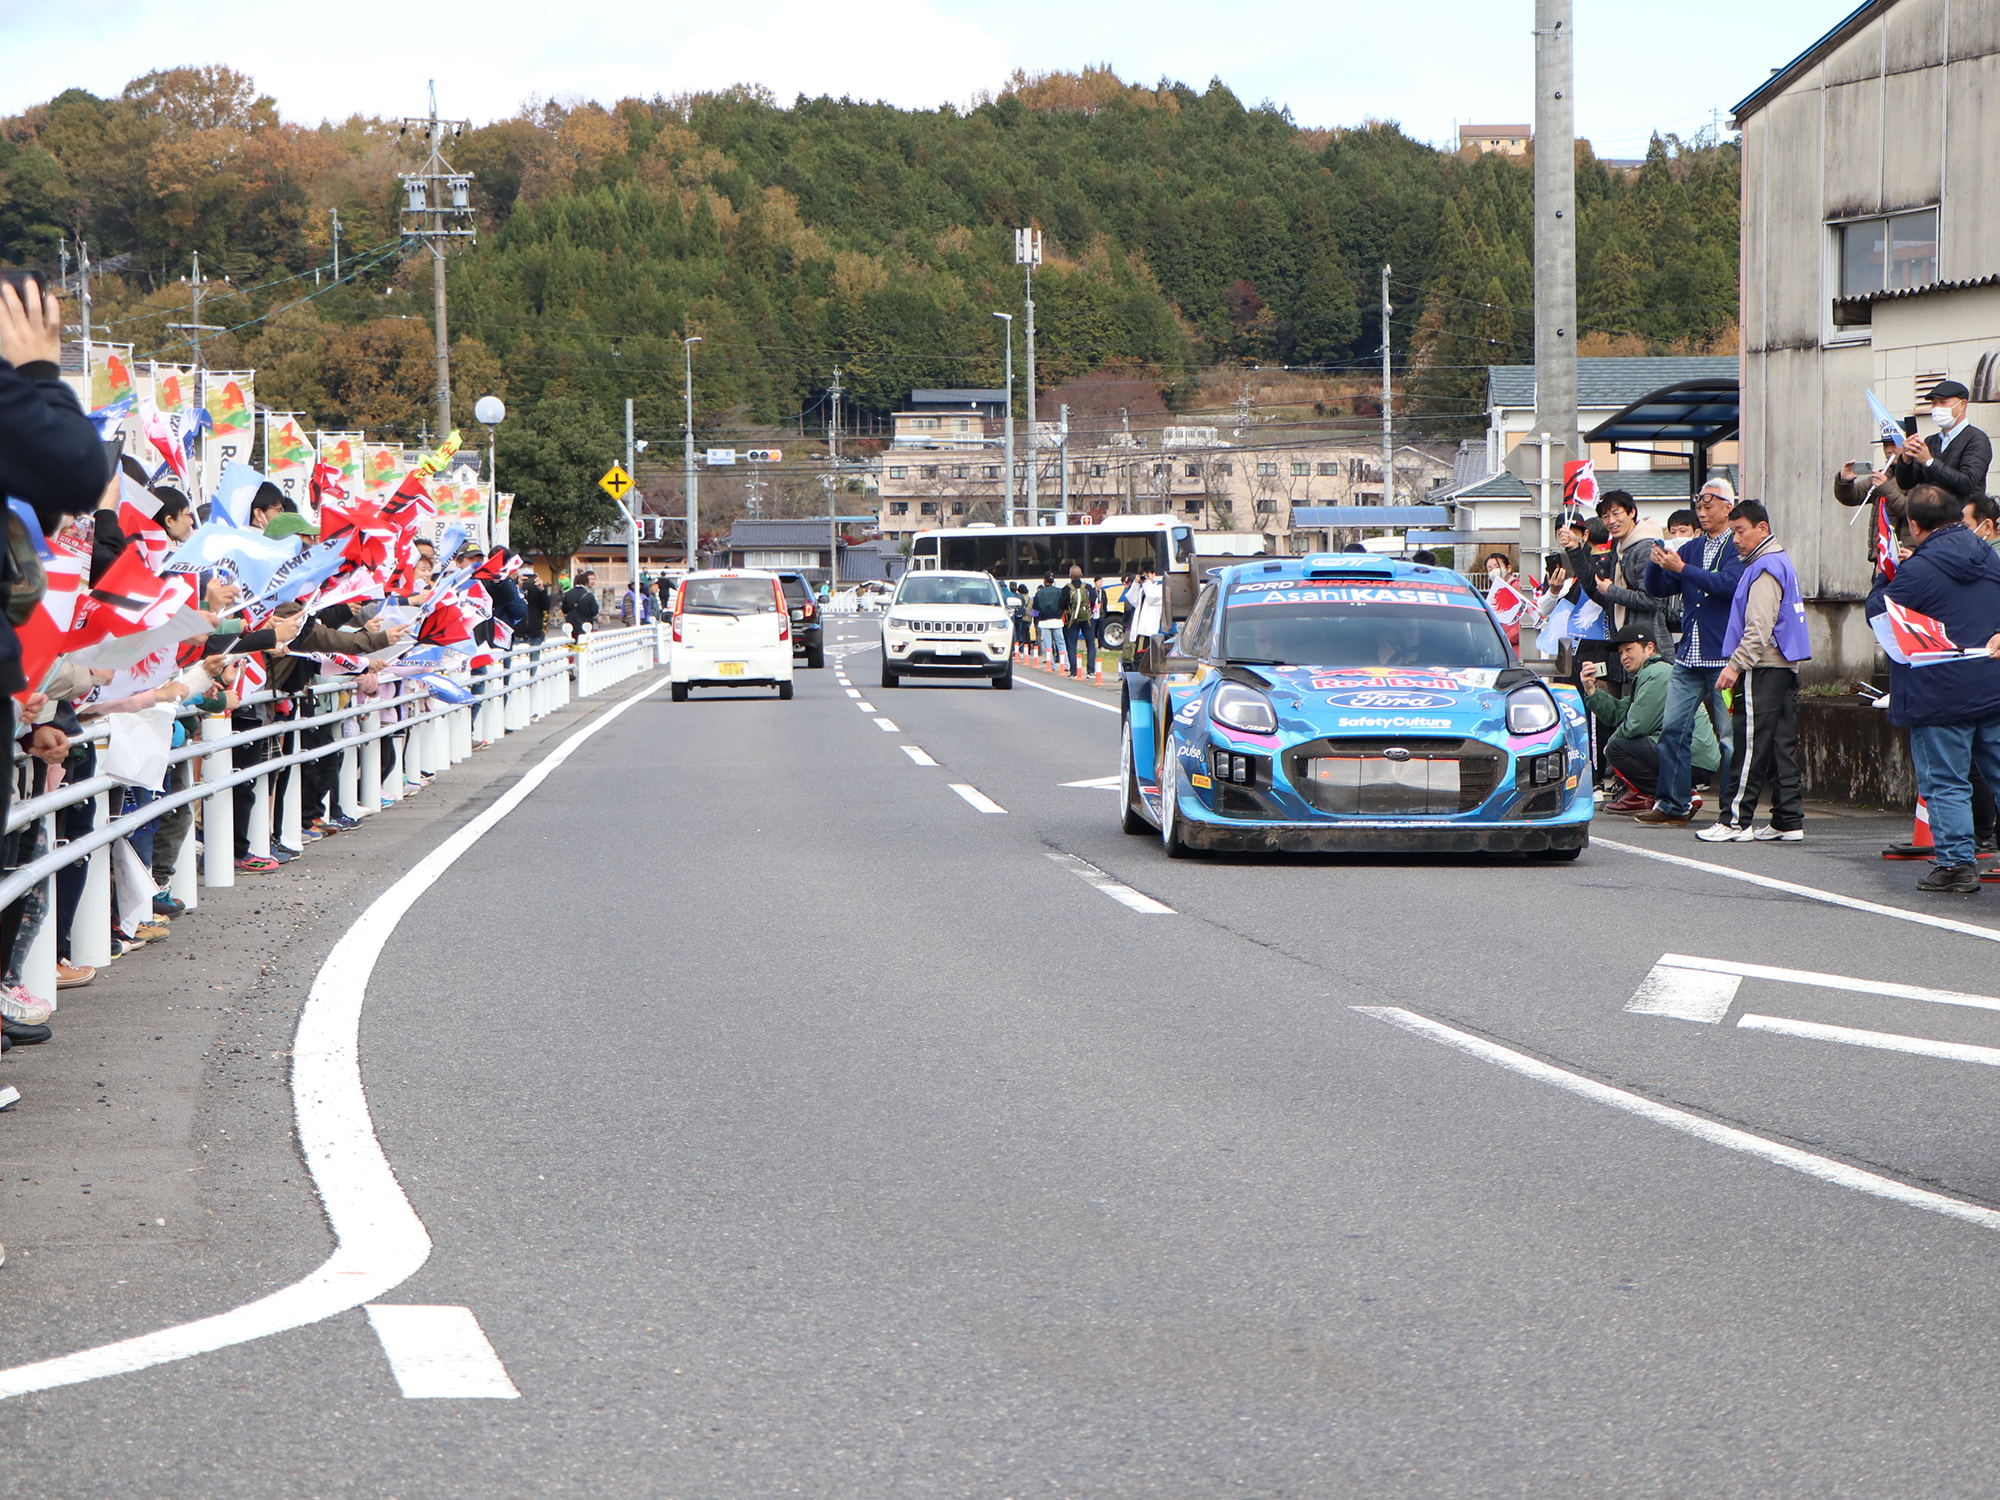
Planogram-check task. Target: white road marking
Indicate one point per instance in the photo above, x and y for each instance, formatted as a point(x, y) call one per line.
point(1110, 708)
point(1830, 981)
point(1887, 1041)
point(866, 708)
point(979, 800)
point(1117, 890)
point(1100, 784)
point(381, 1242)
point(1811, 893)
point(1685, 992)
point(887, 726)
point(918, 756)
point(439, 1353)
point(1822, 1168)
point(854, 692)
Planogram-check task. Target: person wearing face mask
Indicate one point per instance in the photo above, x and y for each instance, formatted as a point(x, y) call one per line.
point(1957, 459)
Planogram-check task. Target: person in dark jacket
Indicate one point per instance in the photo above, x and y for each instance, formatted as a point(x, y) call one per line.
point(1951, 708)
point(1703, 572)
point(1048, 617)
point(535, 599)
point(1623, 593)
point(579, 605)
point(1956, 460)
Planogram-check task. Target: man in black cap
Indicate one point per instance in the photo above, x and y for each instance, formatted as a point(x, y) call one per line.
point(1636, 723)
point(1955, 460)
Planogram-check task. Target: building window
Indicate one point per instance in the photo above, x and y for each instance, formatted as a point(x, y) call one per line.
point(776, 559)
point(1890, 254)
point(1267, 469)
point(927, 471)
point(1192, 504)
point(1161, 470)
point(1267, 507)
point(1193, 470)
point(961, 471)
point(925, 424)
point(1329, 471)
point(927, 508)
point(958, 507)
point(899, 507)
point(993, 471)
point(899, 471)
point(1097, 471)
point(1228, 469)
point(1299, 467)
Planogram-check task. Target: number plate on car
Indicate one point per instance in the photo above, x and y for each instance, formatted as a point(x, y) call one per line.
point(943, 648)
point(730, 668)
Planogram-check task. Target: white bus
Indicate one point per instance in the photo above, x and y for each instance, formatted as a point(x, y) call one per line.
point(1106, 552)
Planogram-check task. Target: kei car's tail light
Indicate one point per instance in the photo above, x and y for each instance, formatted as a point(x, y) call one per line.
point(784, 615)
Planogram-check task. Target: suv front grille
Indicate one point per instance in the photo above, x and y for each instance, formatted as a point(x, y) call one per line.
point(1431, 778)
point(947, 627)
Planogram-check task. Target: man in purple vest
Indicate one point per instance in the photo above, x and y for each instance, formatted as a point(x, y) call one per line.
point(1765, 642)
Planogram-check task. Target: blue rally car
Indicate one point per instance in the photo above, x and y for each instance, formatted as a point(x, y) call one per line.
point(1351, 703)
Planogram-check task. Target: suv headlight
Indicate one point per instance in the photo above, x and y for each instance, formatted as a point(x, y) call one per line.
point(1243, 708)
point(1531, 711)
point(896, 622)
point(999, 625)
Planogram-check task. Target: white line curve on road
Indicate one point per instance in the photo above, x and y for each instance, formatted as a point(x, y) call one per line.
point(379, 1240)
point(1810, 892)
point(1824, 1169)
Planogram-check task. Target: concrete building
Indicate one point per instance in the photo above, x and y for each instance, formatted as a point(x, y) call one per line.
point(1507, 140)
point(1870, 260)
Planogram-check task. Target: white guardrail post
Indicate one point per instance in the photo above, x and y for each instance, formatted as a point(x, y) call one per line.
point(369, 751)
point(291, 817)
point(218, 811)
point(258, 832)
point(38, 974)
point(90, 932)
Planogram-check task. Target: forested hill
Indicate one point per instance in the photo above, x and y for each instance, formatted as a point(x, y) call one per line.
point(1183, 230)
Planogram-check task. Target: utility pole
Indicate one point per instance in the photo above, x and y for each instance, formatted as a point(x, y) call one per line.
point(832, 508)
point(631, 520)
point(687, 350)
point(1065, 463)
point(83, 304)
point(1388, 441)
point(1028, 255)
point(1007, 489)
point(336, 244)
point(194, 328)
point(435, 199)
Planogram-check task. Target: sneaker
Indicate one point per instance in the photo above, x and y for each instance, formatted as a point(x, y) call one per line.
point(343, 822)
point(71, 976)
point(283, 855)
point(388, 802)
point(310, 836)
point(122, 945)
point(152, 932)
point(16, 1004)
point(249, 864)
point(1724, 833)
point(1766, 834)
point(1954, 880)
point(166, 906)
point(20, 1033)
point(322, 829)
point(411, 788)
point(1655, 817)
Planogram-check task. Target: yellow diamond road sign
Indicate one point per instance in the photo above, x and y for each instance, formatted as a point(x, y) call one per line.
point(616, 483)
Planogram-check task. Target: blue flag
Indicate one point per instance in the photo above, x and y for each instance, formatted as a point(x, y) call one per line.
point(234, 491)
point(250, 555)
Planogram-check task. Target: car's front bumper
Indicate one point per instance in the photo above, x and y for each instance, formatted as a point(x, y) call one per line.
point(1382, 838)
point(976, 657)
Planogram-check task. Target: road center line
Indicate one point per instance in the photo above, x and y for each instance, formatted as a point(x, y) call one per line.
point(381, 1242)
point(887, 726)
point(1887, 1041)
point(1840, 1174)
point(979, 800)
point(866, 708)
point(854, 692)
point(440, 1353)
point(1117, 890)
point(1110, 708)
point(1810, 892)
point(918, 756)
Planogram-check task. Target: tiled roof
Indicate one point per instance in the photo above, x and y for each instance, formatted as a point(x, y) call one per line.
point(749, 533)
point(958, 398)
point(1610, 382)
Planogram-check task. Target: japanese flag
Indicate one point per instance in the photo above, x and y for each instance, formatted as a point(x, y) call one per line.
point(1885, 542)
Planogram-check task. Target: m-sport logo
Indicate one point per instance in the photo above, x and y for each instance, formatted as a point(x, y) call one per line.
point(1388, 700)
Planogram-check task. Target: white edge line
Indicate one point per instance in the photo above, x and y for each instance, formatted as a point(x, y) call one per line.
point(1829, 981)
point(1837, 1173)
point(1117, 890)
point(977, 798)
point(1811, 893)
point(1885, 1041)
point(917, 755)
point(380, 1241)
point(1110, 708)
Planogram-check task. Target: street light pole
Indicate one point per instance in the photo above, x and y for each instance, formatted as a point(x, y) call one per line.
point(687, 349)
point(1028, 255)
point(631, 521)
point(492, 411)
point(1008, 487)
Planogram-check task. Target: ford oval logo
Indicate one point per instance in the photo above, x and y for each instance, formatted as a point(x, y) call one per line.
point(1395, 752)
point(1379, 699)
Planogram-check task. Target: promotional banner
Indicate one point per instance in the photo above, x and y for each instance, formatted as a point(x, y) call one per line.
point(230, 399)
point(382, 469)
point(289, 458)
point(110, 374)
point(173, 388)
point(343, 452)
point(503, 510)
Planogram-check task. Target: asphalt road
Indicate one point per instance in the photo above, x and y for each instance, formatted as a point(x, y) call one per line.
point(792, 1121)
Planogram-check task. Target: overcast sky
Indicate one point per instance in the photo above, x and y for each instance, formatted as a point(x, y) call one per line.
point(1639, 68)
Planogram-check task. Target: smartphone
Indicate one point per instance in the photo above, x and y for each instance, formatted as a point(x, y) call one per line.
point(25, 283)
point(1869, 465)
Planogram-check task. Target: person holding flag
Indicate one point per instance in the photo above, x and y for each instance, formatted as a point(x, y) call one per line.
point(1939, 621)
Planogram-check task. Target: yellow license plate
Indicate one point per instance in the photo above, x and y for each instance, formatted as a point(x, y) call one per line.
point(730, 668)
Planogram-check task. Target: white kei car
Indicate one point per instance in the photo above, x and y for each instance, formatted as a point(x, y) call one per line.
point(948, 625)
point(731, 629)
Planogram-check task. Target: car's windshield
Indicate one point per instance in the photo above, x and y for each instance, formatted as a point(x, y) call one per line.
point(740, 596)
point(1357, 626)
point(936, 588)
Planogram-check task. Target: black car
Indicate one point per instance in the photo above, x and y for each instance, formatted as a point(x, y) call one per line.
point(807, 640)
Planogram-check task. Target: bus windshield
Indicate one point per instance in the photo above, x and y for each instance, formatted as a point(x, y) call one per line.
point(1317, 633)
point(1027, 555)
point(940, 588)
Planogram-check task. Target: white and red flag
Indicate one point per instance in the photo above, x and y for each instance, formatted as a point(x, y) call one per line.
point(1915, 639)
point(1507, 601)
point(1885, 541)
point(44, 633)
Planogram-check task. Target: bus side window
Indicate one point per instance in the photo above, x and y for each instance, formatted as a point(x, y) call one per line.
point(1183, 544)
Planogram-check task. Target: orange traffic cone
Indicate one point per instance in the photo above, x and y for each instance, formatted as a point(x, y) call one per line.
point(1920, 845)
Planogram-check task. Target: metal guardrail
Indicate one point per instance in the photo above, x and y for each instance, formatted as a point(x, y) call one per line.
point(522, 686)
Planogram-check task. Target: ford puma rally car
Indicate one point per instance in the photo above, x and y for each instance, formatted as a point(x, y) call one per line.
point(1345, 702)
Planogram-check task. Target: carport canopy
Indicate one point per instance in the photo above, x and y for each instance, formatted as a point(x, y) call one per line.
point(1698, 412)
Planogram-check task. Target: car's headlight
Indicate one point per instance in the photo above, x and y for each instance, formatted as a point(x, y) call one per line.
point(1243, 708)
point(1531, 711)
point(1000, 625)
point(896, 622)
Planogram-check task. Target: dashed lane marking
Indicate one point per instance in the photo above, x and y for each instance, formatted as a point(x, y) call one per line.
point(979, 800)
point(1840, 1174)
point(866, 708)
point(854, 692)
point(918, 756)
point(887, 726)
point(440, 1353)
point(1117, 890)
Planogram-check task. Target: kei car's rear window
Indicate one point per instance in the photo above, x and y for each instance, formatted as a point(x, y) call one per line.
point(1359, 626)
point(743, 596)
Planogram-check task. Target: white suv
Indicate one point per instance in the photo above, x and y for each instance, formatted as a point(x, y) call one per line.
point(948, 625)
point(731, 629)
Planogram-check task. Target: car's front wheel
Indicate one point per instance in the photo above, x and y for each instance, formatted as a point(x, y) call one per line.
point(890, 677)
point(1133, 819)
point(1004, 680)
point(1170, 803)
